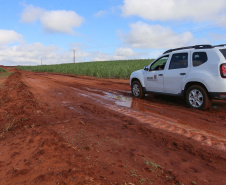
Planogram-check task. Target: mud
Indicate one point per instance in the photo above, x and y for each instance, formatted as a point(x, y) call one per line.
point(65, 129)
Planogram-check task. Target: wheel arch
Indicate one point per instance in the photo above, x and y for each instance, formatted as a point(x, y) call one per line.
point(189, 84)
point(136, 79)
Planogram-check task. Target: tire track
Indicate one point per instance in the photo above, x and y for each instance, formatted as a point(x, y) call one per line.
point(160, 122)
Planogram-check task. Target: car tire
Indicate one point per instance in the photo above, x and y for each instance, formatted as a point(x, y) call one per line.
point(137, 89)
point(198, 98)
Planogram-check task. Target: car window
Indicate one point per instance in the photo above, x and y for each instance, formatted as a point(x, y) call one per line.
point(199, 58)
point(179, 60)
point(159, 64)
point(223, 51)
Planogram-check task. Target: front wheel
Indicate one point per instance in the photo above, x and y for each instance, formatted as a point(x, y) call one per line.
point(137, 90)
point(197, 97)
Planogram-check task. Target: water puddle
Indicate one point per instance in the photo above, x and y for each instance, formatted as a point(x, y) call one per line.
point(108, 97)
point(120, 99)
point(133, 103)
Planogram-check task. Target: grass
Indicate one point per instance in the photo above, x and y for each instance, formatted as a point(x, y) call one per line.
point(4, 72)
point(153, 167)
point(106, 69)
point(1, 70)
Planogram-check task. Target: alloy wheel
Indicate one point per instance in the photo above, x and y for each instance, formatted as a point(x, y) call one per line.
point(136, 90)
point(196, 98)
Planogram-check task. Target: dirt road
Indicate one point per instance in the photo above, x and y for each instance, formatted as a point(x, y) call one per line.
point(65, 129)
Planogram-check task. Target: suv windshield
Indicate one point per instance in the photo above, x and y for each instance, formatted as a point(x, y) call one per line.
point(223, 51)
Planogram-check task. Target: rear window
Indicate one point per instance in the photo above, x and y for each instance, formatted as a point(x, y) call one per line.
point(199, 58)
point(223, 51)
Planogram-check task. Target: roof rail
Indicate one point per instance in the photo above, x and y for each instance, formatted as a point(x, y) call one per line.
point(170, 50)
point(190, 47)
point(203, 46)
point(221, 45)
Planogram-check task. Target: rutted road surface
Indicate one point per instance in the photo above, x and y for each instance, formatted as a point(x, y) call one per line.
point(94, 132)
point(191, 125)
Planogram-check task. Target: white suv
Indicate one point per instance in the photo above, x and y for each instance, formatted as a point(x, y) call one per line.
point(198, 73)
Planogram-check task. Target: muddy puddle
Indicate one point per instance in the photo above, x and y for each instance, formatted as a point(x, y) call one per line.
point(120, 99)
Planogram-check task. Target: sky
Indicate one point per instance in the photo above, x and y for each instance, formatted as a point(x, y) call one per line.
point(41, 32)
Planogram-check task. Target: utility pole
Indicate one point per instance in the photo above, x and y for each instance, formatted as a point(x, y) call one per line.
point(41, 61)
point(74, 54)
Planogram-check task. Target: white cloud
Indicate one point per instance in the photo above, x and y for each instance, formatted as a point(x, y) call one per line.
point(119, 54)
point(27, 54)
point(100, 56)
point(10, 36)
point(31, 14)
point(114, 10)
point(124, 52)
point(31, 54)
point(164, 10)
point(100, 13)
point(143, 35)
point(60, 21)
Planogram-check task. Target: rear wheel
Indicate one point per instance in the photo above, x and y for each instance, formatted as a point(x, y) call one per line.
point(197, 97)
point(137, 90)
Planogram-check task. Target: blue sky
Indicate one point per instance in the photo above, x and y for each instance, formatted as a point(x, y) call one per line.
point(49, 31)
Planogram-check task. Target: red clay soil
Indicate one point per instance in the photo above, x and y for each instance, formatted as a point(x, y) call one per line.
point(65, 129)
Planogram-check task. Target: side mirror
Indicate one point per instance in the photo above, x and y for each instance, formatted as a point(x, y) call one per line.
point(146, 68)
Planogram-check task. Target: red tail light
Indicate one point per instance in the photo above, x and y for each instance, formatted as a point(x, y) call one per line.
point(223, 70)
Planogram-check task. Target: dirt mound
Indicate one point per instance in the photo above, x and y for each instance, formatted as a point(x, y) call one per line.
point(19, 108)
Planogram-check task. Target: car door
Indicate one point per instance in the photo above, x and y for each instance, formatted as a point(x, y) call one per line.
point(154, 77)
point(176, 72)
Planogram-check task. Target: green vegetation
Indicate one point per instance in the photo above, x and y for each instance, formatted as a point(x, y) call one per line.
point(4, 72)
point(1, 70)
point(3, 75)
point(106, 69)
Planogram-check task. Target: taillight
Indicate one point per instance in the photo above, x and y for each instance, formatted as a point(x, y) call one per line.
point(223, 70)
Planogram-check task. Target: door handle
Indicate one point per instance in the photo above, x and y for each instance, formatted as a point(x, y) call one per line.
point(160, 74)
point(182, 73)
